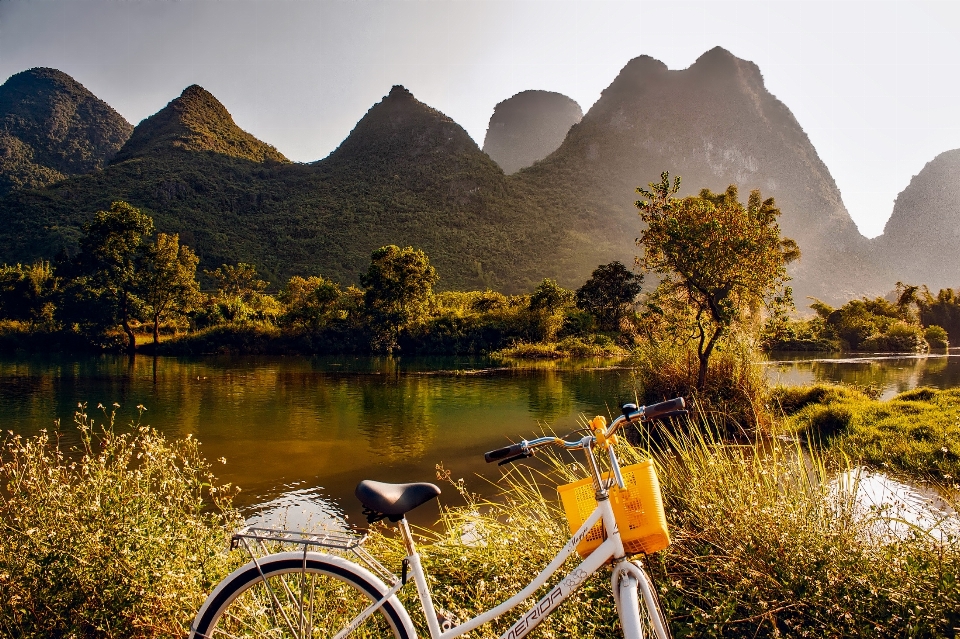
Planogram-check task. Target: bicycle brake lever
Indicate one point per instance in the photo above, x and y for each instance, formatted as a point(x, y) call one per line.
point(514, 458)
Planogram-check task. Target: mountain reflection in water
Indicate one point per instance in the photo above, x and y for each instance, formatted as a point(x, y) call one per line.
point(292, 424)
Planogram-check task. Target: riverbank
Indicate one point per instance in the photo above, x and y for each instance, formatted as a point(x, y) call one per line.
point(916, 432)
point(763, 544)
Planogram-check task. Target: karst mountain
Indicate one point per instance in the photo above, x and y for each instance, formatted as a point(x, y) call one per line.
point(528, 127)
point(545, 201)
point(51, 127)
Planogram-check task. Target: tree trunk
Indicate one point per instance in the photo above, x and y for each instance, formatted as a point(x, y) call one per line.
point(156, 332)
point(704, 356)
point(124, 320)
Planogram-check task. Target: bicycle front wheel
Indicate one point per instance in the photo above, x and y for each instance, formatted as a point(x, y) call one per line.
point(295, 596)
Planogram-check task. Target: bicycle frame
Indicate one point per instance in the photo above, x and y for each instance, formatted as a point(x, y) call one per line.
point(625, 582)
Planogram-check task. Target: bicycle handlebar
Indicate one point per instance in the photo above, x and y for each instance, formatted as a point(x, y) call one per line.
point(663, 410)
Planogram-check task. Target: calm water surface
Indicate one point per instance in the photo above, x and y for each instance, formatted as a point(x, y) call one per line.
point(302, 432)
point(299, 433)
point(891, 373)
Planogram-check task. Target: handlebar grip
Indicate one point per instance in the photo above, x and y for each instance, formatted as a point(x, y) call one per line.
point(502, 453)
point(668, 415)
point(660, 410)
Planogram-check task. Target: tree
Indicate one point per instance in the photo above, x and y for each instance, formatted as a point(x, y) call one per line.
point(108, 260)
point(397, 287)
point(718, 257)
point(609, 293)
point(311, 302)
point(167, 279)
point(27, 292)
point(240, 293)
point(546, 307)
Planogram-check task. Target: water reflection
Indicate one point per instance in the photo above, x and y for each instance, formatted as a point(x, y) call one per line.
point(298, 509)
point(898, 509)
point(289, 424)
point(891, 374)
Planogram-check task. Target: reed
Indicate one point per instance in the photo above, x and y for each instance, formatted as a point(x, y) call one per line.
point(118, 535)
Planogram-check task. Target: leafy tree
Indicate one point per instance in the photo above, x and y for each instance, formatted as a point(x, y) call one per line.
point(546, 307)
point(397, 287)
point(167, 279)
point(240, 293)
point(721, 259)
point(942, 310)
point(311, 302)
point(108, 260)
point(27, 292)
point(609, 293)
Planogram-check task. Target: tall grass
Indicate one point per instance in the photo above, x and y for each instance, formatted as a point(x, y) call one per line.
point(764, 545)
point(124, 537)
point(736, 393)
point(121, 536)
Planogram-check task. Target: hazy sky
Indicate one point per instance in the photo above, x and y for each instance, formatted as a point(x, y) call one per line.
point(874, 84)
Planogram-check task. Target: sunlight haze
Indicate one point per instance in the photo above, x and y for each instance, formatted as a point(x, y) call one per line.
point(872, 83)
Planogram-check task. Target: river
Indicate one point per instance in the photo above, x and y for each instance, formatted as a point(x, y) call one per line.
point(298, 433)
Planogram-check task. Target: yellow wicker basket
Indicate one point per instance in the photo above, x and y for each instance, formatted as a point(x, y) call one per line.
point(638, 510)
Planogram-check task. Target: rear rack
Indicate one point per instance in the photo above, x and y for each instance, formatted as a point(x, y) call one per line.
point(260, 542)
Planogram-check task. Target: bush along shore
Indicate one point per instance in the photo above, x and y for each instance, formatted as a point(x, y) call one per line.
point(123, 535)
point(129, 289)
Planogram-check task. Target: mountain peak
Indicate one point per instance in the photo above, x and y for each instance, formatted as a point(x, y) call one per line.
point(528, 127)
point(196, 121)
point(401, 127)
point(51, 127)
point(719, 65)
point(398, 91)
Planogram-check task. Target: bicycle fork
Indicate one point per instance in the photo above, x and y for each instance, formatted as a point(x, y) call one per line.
point(629, 581)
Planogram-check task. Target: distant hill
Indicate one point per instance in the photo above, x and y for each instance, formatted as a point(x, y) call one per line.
point(919, 241)
point(713, 124)
point(407, 175)
point(196, 121)
point(51, 127)
point(528, 127)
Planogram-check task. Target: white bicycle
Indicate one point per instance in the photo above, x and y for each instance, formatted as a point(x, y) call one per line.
point(331, 587)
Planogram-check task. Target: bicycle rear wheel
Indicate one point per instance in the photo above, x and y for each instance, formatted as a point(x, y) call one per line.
point(292, 596)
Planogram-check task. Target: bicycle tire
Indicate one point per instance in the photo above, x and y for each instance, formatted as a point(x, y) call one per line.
point(295, 596)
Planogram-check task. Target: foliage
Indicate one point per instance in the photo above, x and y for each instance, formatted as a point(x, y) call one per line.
point(735, 394)
point(397, 287)
point(936, 336)
point(27, 293)
point(240, 295)
point(609, 294)
point(106, 267)
point(122, 536)
point(52, 127)
point(917, 432)
point(166, 280)
point(876, 325)
point(942, 310)
point(721, 259)
point(311, 303)
point(548, 305)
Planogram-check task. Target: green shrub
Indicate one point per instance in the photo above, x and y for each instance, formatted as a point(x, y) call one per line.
point(917, 432)
point(736, 392)
point(114, 538)
point(899, 337)
point(936, 336)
